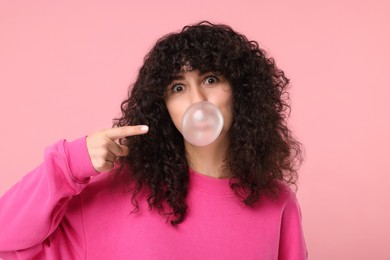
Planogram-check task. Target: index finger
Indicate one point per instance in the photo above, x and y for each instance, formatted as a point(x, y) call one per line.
point(124, 131)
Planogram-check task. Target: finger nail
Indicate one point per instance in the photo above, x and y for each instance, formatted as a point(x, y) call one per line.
point(144, 128)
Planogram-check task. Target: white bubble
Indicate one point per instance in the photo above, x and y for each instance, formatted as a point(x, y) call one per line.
point(202, 123)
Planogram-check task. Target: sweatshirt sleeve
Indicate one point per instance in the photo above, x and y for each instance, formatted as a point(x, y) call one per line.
point(33, 208)
point(292, 244)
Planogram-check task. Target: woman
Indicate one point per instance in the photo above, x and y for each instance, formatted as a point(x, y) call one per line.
point(141, 191)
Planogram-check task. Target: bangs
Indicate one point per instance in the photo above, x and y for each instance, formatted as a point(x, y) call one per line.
point(207, 48)
point(204, 48)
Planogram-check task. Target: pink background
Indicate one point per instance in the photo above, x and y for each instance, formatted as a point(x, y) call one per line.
point(65, 67)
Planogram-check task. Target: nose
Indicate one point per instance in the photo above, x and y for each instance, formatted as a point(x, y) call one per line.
point(197, 94)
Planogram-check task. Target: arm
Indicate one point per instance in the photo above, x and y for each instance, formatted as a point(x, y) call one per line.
point(32, 209)
point(292, 243)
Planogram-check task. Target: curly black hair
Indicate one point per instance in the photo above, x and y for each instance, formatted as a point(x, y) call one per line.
point(262, 148)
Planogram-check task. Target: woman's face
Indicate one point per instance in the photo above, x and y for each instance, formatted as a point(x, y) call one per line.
point(190, 87)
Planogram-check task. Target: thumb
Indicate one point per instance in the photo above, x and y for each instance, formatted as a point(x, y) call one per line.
point(124, 150)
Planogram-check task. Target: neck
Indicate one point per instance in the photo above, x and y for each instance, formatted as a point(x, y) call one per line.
point(209, 160)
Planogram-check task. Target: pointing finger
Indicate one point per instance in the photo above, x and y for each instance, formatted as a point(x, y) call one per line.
point(124, 131)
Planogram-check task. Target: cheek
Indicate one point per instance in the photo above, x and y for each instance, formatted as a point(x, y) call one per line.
point(226, 107)
point(176, 112)
point(227, 113)
point(224, 102)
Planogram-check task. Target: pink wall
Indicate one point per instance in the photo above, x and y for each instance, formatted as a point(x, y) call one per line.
point(65, 67)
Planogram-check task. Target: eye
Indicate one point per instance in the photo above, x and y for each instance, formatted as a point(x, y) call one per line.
point(177, 88)
point(211, 80)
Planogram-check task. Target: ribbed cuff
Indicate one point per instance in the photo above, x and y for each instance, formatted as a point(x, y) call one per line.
point(79, 162)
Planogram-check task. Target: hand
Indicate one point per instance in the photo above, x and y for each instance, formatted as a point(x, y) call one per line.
point(104, 151)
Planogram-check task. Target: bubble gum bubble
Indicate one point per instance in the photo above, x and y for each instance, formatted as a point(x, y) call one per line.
point(202, 123)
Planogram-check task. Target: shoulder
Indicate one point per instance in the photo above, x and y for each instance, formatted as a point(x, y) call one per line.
point(285, 191)
point(288, 199)
point(281, 194)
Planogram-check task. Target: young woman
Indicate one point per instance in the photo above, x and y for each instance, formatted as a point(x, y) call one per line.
point(141, 191)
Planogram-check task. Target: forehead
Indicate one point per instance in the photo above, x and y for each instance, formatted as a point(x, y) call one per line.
point(186, 74)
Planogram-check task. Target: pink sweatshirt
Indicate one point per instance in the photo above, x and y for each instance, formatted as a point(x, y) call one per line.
point(59, 212)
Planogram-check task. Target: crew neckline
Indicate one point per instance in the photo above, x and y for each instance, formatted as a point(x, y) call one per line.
point(211, 185)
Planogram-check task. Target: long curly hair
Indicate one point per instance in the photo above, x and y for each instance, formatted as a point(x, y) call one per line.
point(262, 149)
